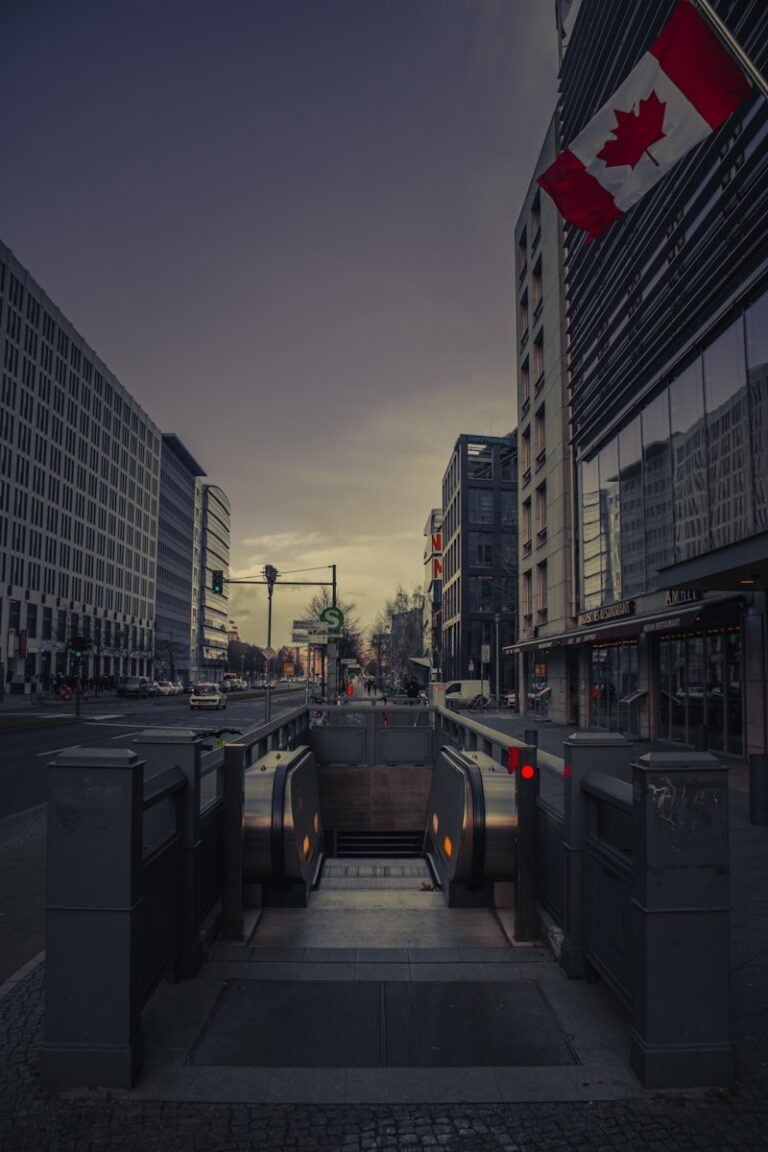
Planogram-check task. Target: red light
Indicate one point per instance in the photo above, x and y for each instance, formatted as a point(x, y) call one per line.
point(567, 772)
point(513, 759)
point(527, 771)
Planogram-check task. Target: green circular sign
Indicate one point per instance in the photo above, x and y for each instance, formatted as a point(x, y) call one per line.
point(333, 617)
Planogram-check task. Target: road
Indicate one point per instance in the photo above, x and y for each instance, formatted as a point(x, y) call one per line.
point(110, 722)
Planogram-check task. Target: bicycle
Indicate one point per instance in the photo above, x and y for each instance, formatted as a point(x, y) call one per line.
point(480, 703)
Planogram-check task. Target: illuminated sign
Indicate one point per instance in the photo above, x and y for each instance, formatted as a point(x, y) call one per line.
point(608, 612)
point(676, 596)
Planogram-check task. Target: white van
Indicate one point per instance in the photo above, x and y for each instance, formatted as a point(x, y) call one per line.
point(459, 693)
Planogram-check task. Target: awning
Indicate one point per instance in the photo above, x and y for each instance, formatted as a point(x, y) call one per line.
point(669, 619)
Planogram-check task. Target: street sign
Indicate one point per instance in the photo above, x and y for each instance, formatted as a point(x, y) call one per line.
point(302, 625)
point(485, 656)
point(333, 617)
point(269, 653)
point(309, 637)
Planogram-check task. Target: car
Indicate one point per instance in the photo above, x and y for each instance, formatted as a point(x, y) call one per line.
point(509, 699)
point(178, 688)
point(207, 696)
point(166, 688)
point(136, 686)
point(153, 688)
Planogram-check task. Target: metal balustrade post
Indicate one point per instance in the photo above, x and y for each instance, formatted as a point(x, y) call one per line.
point(93, 993)
point(681, 1033)
point(232, 920)
point(526, 794)
point(607, 752)
point(166, 748)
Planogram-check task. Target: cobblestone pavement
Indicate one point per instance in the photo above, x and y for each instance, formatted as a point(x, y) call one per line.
point(34, 1121)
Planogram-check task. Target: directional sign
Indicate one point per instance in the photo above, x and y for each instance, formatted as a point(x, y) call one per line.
point(269, 653)
point(333, 617)
point(309, 637)
point(302, 625)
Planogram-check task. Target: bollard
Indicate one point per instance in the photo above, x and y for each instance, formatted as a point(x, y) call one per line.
point(608, 752)
point(680, 981)
point(165, 748)
point(758, 789)
point(93, 994)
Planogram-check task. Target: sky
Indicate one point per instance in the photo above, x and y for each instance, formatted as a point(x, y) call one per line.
point(287, 228)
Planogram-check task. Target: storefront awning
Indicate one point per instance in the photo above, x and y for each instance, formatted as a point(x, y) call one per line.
point(667, 620)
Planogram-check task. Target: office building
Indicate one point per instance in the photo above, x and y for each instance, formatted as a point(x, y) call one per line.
point(175, 656)
point(667, 321)
point(79, 489)
point(211, 629)
point(479, 594)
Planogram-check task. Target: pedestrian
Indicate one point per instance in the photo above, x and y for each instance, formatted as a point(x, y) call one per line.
point(412, 689)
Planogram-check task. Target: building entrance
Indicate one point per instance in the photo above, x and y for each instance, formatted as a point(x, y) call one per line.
point(615, 699)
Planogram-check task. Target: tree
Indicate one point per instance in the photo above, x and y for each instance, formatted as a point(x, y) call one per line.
point(350, 639)
point(402, 622)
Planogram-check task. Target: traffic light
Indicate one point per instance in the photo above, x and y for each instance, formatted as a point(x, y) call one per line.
point(217, 581)
point(270, 575)
point(78, 647)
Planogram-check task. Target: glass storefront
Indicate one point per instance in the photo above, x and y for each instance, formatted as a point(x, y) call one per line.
point(615, 699)
point(700, 689)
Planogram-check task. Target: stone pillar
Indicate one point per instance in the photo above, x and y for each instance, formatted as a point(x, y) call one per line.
point(180, 748)
point(607, 752)
point(681, 1035)
point(93, 994)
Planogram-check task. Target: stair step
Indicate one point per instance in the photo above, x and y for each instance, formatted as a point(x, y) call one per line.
point(371, 843)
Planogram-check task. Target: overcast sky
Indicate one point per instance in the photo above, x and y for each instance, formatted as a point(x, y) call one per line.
point(287, 227)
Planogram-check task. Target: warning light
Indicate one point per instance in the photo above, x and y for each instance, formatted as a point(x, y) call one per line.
point(306, 846)
point(448, 846)
point(513, 759)
point(566, 772)
point(527, 771)
point(316, 823)
point(217, 581)
point(435, 822)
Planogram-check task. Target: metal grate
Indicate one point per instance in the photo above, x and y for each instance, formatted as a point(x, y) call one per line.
point(376, 1024)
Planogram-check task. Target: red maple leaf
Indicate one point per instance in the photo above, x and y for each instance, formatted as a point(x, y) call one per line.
point(635, 132)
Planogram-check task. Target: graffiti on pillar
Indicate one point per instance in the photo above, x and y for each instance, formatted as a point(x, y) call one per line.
point(688, 814)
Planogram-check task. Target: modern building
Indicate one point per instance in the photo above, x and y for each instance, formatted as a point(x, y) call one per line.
point(548, 673)
point(212, 625)
point(175, 658)
point(79, 490)
point(668, 356)
point(433, 585)
point(480, 558)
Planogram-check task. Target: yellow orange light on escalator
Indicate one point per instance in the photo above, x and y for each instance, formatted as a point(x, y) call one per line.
point(448, 846)
point(316, 823)
point(306, 847)
point(435, 822)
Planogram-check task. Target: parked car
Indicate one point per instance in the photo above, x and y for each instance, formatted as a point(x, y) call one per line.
point(133, 686)
point(178, 687)
point(153, 688)
point(207, 696)
point(166, 688)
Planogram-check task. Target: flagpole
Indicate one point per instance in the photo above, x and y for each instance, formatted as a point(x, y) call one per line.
point(733, 46)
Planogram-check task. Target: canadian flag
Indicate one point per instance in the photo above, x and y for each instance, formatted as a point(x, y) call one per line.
point(684, 87)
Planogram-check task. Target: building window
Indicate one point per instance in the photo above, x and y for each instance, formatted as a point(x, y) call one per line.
point(523, 319)
point(527, 602)
point(525, 386)
point(522, 255)
point(480, 506)
point(479, 461)
point(525, 454)
point(541, 591)
point(526, 527)
point(481, 549)
point(539, 436)
point(536, 220)
point(536, 291)
point(538, 361)
point(541, 513)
